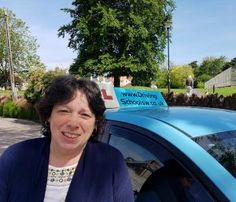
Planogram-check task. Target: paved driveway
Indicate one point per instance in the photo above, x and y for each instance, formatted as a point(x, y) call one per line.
point(15, 130)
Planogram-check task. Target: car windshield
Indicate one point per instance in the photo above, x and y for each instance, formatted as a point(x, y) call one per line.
point(222, 146)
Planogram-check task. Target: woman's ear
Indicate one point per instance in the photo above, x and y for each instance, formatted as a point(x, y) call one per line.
point(95, 129)
point(47, 123)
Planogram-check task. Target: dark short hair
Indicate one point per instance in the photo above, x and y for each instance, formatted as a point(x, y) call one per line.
point(62, 90)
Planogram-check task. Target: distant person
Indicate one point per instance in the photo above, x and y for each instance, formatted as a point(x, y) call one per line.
point(189, 85)
point(68, 164)
point(213, 88)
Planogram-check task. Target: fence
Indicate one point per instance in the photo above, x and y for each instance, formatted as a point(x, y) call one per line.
point(224, 79)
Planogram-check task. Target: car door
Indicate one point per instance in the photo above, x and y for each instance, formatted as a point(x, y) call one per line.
point(145, 154)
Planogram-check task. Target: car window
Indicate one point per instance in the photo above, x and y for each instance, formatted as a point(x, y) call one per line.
point(146, 159)
point(141, 163)
point(222, 146)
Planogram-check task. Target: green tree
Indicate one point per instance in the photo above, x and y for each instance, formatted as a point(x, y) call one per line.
point(179, 74)
point(38, 82)
point(212, 66)
point(197, 73)
point(162, 78)
point(23, 47)
point(232, 63)
point(118, 37)
point(194, 65)
point(143, 78)
point(195, 68)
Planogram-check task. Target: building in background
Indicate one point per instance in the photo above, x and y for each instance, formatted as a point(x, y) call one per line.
point(224, 79)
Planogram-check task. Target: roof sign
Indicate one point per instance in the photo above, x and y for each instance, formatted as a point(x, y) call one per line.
point(120, 97)
point(108, 95)
point(139, 98)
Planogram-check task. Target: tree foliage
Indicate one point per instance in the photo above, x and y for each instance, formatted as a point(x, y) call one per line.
point(39, 80)
point(143, 78)
point(194, 65)
point(209, 67)
point(232, 63)
point(212, 66)
point(179, 74)
point(118, 37)
point(23, 47)
point(162, 78)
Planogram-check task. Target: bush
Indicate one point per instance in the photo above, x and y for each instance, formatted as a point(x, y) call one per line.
point(179, 74)
point(29, 114)
point(200, 85)
point(1, 108)
point(212, 100)
point(8, 109)
point(39, 82)
point(12, 109)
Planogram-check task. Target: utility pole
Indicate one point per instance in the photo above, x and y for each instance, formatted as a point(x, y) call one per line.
point(11, 70)
point(168, 56)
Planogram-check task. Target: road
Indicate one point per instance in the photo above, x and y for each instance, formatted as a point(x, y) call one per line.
point(15, 130)
point(199, 94)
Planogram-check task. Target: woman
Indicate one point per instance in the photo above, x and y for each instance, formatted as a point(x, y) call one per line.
point(68, 164)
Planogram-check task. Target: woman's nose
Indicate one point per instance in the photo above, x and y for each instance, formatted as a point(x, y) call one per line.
point(73, 122)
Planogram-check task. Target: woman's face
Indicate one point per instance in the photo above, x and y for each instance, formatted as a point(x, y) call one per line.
point(71, 124)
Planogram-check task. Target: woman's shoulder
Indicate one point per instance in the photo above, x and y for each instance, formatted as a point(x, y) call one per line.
point(25, 147)
point(104, 150)
point(100, 154)
point(30, 143)
point(96, 145)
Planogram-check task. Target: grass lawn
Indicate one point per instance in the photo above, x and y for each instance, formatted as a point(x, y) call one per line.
point(164, 90)
point(226, 91)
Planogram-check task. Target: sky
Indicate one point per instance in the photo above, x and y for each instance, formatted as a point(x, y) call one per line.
point(201, 28)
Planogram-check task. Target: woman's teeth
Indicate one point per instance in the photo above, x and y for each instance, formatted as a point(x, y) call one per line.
point(70, 135)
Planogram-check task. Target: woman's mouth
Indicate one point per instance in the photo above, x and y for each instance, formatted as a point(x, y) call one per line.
point(70, 135)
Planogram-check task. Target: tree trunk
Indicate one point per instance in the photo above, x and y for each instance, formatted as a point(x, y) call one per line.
point(116, 80)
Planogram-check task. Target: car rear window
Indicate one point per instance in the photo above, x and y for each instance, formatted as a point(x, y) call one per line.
point(222, 146)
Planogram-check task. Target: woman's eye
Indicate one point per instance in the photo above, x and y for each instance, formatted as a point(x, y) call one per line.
point(63, 111)
point(85, 115)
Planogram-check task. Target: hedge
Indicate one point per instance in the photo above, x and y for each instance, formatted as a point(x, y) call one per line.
point(20, 109)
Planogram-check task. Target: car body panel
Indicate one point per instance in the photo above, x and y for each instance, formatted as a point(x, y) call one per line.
point(193, 121)
point(177, 125)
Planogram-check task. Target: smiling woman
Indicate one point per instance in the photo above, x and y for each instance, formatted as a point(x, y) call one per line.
point(68, 164)
point(71, 126)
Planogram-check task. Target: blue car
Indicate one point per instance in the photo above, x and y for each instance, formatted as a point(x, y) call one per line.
point(173, 153)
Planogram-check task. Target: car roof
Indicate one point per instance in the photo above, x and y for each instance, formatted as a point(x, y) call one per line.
point(192, 121)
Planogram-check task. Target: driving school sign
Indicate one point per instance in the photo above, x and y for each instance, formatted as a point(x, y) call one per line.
point(139, 98)
point(108, 95)
point(120, 97)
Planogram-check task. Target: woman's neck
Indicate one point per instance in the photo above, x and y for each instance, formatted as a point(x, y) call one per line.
point(62, 159)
